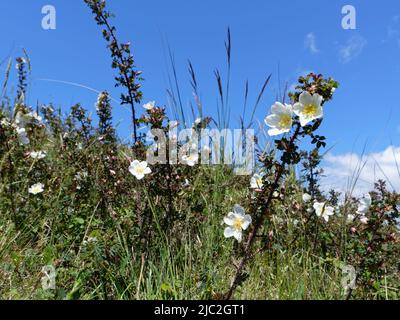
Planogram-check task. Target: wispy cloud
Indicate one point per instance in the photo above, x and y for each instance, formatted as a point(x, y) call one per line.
point(310, 43)
point(393, 30)
point(353, 48)
point(352, 171)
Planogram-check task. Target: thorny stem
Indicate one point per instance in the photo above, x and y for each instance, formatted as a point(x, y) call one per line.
point(259, 222)
point(130, 89)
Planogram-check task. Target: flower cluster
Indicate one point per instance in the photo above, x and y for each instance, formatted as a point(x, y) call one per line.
point(308, 109)
point(362, 210)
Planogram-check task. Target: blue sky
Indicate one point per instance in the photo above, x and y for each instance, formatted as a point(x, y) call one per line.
point(285, 38)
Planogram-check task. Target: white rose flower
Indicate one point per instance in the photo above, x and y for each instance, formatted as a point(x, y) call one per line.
point(139, 169)
point(365, 203)
point(280, 119)
point(37, 154)
point(36, 188)
point(22, 136)
point(324, 211)
point(308, 108)
point(237, 221)
point(20, 119)
point(186, 183)
point(350, 218)
point(364, 220)
point(149, 105)
point(5, 122)
point(256, 181)
point(34, 115)
point(191, 159)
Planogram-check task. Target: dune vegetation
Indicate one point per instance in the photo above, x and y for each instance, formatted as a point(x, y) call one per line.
point(84, 215)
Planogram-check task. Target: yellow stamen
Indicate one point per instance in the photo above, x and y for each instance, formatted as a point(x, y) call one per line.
point(310, 110)
point(139, 170)
point(237, 224)
point(285, 121)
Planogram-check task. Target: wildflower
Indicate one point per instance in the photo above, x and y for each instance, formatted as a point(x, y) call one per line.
point(350, 218)
point(365, 203)
point(139, 169)
point(5, 122)
point(322, 210)
point(36, 188)
point(306, 197)
point(197, 121)
point(37, 154)
point(280, 120)
point(364, 220)
point(191, 159)
point(34, 115)
point(186, 184)
point(193, 156)
point(81, 175)
point(256, 181)
point(20, 119)
point(237, 221)
point(89, 240)
point(22, 136)
point(149, 105)
point(308, 108)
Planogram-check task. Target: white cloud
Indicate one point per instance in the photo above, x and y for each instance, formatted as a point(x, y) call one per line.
point(351, 172)
point(393, 30)
point(353, 48)
point(310, 43)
